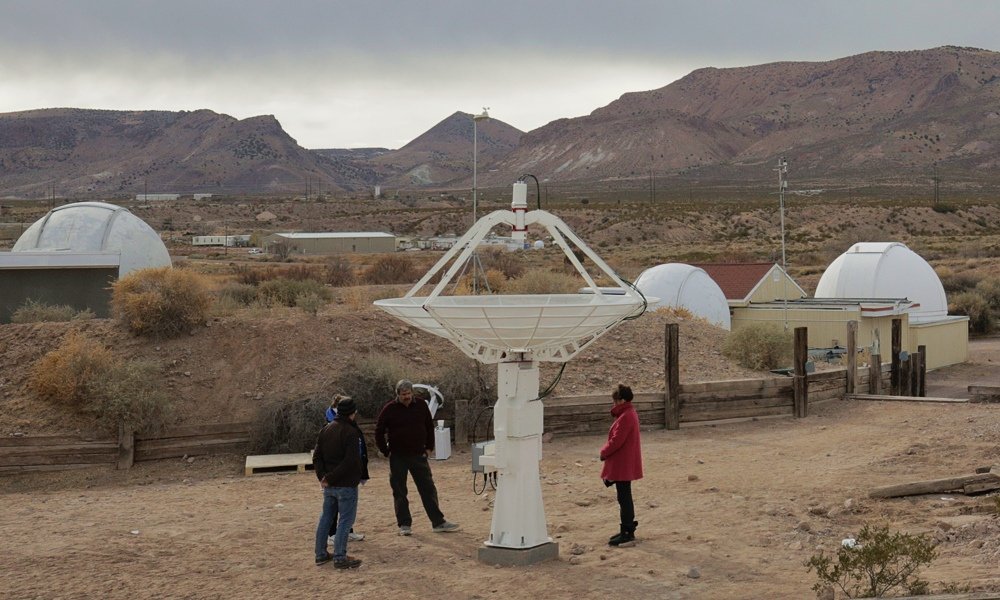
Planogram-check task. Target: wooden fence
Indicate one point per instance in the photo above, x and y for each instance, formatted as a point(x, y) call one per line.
point(59, 452)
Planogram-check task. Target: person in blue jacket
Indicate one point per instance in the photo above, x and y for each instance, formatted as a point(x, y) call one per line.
point(331, 414)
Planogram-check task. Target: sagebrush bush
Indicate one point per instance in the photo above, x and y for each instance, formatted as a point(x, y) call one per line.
point(310, 303)
point(127, 394)
point(958, 282)
point(492, 281)
point(543, 281)
point(239, 293)
point(65, 375)
point(84, 375)
point(161, 302)
point(876, 563)
point(34, 311)
point(339, 272)
point(989, 289)
point(391, 268)
point(511, 264)
point(371, 381)
point(288, 426)
point(759, 346)
point(285, 292)
point(974, 305)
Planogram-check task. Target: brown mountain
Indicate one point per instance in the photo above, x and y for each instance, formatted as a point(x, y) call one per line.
point(879, 115)
point(78, 152)
point(443, 154)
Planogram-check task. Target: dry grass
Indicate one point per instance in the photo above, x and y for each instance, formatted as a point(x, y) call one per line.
point(161, 302)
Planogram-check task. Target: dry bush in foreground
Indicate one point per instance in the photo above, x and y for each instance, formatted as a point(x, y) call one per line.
point(544, 281)
point(288, 426)
point(161, 302)
point(64, 375)
point(34, 311)
point(759, 346)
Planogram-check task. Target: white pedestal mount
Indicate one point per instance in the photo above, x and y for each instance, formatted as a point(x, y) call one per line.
point(515, 333)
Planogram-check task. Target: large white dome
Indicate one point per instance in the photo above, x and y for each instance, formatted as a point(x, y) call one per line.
point(885, 270)
point(685, 286)
point(96, 227)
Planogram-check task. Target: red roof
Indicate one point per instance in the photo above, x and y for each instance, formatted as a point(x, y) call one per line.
point(737, 280)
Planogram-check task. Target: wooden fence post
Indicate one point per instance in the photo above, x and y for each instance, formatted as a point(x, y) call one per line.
point(915, 364)
point(905, 368)
point(897, 347)
point(923, 369)
point(875, 375)
point(461, 422)
point(671, 372)
point(852, 356)
point(800, 384)
point(126, 446)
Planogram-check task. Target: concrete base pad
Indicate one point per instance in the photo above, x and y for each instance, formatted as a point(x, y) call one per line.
point(509, 557)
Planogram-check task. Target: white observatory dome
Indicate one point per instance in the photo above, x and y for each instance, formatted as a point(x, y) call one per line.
point(96, 227)
point(680, 285)
point(885, 270)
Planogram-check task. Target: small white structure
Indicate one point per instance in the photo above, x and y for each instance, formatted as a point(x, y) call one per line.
point(156, 197)
point(221, 240)
point(886, 270)
point(96, 227)
point(685, 286)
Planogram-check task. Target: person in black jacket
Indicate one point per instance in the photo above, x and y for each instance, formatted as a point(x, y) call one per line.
point(405, 433)
point(339, 466)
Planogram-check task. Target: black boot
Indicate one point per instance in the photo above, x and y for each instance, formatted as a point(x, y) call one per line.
point(627, 535)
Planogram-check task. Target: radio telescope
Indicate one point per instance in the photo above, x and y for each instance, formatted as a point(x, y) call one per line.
point(516, 332)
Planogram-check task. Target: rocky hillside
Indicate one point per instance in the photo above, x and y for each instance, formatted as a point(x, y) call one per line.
point(879, 115)
point(443, 154)
point(80, 152)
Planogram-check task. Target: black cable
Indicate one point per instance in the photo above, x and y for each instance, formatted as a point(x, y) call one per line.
point(538, 189)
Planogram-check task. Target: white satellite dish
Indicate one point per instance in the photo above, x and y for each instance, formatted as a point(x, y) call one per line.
point(516, 332)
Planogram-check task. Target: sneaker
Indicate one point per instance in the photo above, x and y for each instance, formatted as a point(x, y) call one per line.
point(405, 530)
point(446, 527)
point(324, 560)
point(355, 537)
point(348, 562)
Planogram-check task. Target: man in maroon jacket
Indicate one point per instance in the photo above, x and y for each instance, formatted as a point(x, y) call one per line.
point(404, 432)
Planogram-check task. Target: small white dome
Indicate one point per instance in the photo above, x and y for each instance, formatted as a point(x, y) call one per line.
point(685, 286)
point(96, 227)
point(885, 270)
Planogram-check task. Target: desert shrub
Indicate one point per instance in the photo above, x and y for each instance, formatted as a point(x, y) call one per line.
point(33, 311)
point(876, 563)
point(303, 273)
point(989, 289)
point(239, 293)
point(543, 281)
point(466, 379)
point(511, 264)
point(250, 276)
point(371, 381)
point(976, 307)
point(391, 268)
point(339, 272)
point(288, 425)
point(161, 302)
point(284, 292)
point(958, 282)
point(759, 346)
point(360, 297)
point(492, 280)
point(310, 302)
point(126, 394)
point(65, 375)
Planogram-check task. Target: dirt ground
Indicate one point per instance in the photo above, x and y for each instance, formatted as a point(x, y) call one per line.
point(725, 511)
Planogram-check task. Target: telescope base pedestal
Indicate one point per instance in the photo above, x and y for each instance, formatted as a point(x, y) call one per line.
point(512, 557)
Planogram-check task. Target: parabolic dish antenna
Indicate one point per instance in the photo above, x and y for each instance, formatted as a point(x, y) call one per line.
point(516, 332)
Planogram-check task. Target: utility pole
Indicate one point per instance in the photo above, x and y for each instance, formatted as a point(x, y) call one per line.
point(782, 170)
point(937, 185)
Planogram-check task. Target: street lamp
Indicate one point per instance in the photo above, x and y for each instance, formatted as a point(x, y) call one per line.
point(475, 151)
point(475, 154)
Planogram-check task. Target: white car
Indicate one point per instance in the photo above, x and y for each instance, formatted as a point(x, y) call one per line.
point(255, 251)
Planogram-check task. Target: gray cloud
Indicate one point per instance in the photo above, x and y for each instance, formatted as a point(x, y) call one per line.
point(379, 73)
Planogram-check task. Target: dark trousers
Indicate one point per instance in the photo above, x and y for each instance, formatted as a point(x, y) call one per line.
point(399, 466)
point(625, 505)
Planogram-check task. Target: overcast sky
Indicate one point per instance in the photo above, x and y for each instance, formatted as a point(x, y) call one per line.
point(379, 73)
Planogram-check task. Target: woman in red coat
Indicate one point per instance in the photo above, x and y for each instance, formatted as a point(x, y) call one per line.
point(622, 457)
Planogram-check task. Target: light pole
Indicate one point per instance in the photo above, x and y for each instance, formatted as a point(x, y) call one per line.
point(782, 170)
point(475, 155)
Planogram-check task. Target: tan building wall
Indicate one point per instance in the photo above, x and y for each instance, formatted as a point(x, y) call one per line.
point(769, 290)
point(947, 341)
point(828, 327)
